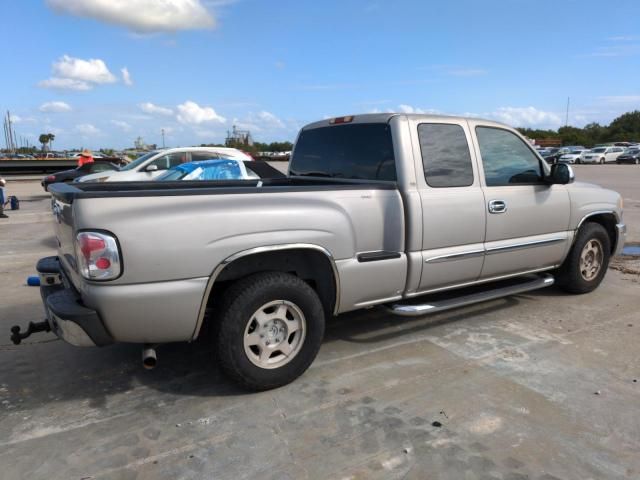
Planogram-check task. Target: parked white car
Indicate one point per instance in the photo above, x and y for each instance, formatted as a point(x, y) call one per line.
point(603, 155)
point(574, 156)
point(153, 164)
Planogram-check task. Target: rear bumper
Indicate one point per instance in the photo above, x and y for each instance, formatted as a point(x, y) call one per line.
point(68, 318)
point(621, 236)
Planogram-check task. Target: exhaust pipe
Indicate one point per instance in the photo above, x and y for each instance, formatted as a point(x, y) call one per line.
point(149, 358)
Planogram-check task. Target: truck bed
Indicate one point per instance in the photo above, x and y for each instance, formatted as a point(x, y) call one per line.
point(68, 192)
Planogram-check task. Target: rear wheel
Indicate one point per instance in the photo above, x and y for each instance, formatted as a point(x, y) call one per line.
point(269, 330)
point(637, 161)
point(588, 260)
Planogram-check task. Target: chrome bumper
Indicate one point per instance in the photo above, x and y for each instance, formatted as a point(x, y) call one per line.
point(621, 236)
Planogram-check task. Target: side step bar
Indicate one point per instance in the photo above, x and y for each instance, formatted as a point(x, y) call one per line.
point(405, 310)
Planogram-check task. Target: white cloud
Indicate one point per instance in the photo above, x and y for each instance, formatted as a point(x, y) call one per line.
point(126, 76)
point(269, 120)
point(152, 109)
point(122, 125)
point(18, 119)
point(142, 16)
point(192, 113)
point(403, 108)
point(466, 72)
point(64, 84)
point(55, 107)
point(71, 73)
point(93, 70)
point(618, 99)
point(87, 129)
point(526, 117)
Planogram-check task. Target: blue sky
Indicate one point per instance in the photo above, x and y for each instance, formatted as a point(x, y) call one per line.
point(197, 67)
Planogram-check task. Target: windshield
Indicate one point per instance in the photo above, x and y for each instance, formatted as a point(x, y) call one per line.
point(361, 151)
point(599, 150)
point(139, 161)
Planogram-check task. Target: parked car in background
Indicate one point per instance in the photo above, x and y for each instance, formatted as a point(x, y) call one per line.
point(556, 153)
point(67, 176)
point(153, 164)
point(575, 156)
point(632, 155)
point(603, 155)
point(221, 169)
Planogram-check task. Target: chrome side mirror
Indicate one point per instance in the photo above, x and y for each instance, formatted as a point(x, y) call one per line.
point(151, 168)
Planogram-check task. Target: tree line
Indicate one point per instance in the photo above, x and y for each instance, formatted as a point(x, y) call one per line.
point(625, 128)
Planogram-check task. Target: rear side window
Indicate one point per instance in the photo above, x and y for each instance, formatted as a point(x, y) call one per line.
point(506, 159)
point(361, 151)
point(171, 160)
point(445, 155)
point(199, 156)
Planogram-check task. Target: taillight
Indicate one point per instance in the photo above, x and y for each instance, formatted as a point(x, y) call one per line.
point(98, 256)
point(51, 178)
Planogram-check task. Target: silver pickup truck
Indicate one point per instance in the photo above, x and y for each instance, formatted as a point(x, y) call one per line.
point(382, 209)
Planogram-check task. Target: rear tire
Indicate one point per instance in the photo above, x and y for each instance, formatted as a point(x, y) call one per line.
point(587, 262)
point(637, 161)
point(269, 330)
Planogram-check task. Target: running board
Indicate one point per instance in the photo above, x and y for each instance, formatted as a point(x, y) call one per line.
point(542, 281)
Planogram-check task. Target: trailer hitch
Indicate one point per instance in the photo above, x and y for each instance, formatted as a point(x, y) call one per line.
point(17, 336)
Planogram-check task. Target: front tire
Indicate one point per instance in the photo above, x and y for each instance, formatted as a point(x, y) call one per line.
point(587, 262)
point(602, 161)
point(269, 330)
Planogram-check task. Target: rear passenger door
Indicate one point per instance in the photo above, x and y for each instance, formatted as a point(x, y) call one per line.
point(527, 219)
point(452, 204)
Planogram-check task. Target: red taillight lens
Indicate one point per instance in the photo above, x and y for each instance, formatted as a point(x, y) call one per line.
point(98, 256)
point(51, 178)
point(89, 244)
point(341, 120)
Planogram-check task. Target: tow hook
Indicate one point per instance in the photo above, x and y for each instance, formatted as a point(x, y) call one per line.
point(17, 336)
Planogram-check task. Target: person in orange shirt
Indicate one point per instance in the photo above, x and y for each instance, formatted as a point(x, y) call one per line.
point(85, 157)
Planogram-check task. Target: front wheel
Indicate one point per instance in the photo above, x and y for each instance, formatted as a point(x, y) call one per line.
point(602, 161)
point(269, 330)
point(587, 262)
point(637, 161)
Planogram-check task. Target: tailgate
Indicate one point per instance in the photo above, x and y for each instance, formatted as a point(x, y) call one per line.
point(62, 207)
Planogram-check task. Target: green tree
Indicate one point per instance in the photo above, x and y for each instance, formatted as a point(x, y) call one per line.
point(46, 139)
point(626, 127)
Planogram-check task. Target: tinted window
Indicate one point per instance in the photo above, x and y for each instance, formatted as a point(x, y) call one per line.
point(358, 151)
point(506, 159)
point(100, 167)
point(169, 161)
point(445, 155)
point(199, 156)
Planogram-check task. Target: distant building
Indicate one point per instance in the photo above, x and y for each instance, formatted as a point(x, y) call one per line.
point(140, 145)
point(239, 137)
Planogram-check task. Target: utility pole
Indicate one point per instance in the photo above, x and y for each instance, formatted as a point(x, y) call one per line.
point(566, 119)
point(162, 138)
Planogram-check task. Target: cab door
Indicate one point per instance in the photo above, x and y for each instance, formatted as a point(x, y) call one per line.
point(453, 211)
point(527, 219)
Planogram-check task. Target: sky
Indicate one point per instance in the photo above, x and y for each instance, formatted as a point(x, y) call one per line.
point(100, 73)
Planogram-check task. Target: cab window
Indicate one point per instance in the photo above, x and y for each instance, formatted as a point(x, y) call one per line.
point(506, 159)
point(445, 155)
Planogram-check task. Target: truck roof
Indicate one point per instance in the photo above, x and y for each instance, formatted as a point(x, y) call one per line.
point(386, 117)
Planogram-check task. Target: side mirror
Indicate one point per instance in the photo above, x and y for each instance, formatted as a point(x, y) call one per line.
point(561, 174)
point(151, 168)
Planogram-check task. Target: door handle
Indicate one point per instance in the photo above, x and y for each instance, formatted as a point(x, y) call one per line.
point(497, 206)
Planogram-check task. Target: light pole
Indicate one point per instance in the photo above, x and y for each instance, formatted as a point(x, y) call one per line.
point(163, 138)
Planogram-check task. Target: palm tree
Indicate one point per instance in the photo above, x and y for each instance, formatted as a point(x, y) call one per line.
point(45, 139)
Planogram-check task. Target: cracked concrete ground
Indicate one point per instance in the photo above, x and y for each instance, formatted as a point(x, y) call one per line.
point(539, 386)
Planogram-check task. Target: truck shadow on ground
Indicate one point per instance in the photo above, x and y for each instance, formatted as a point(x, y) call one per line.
point(41, 373)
